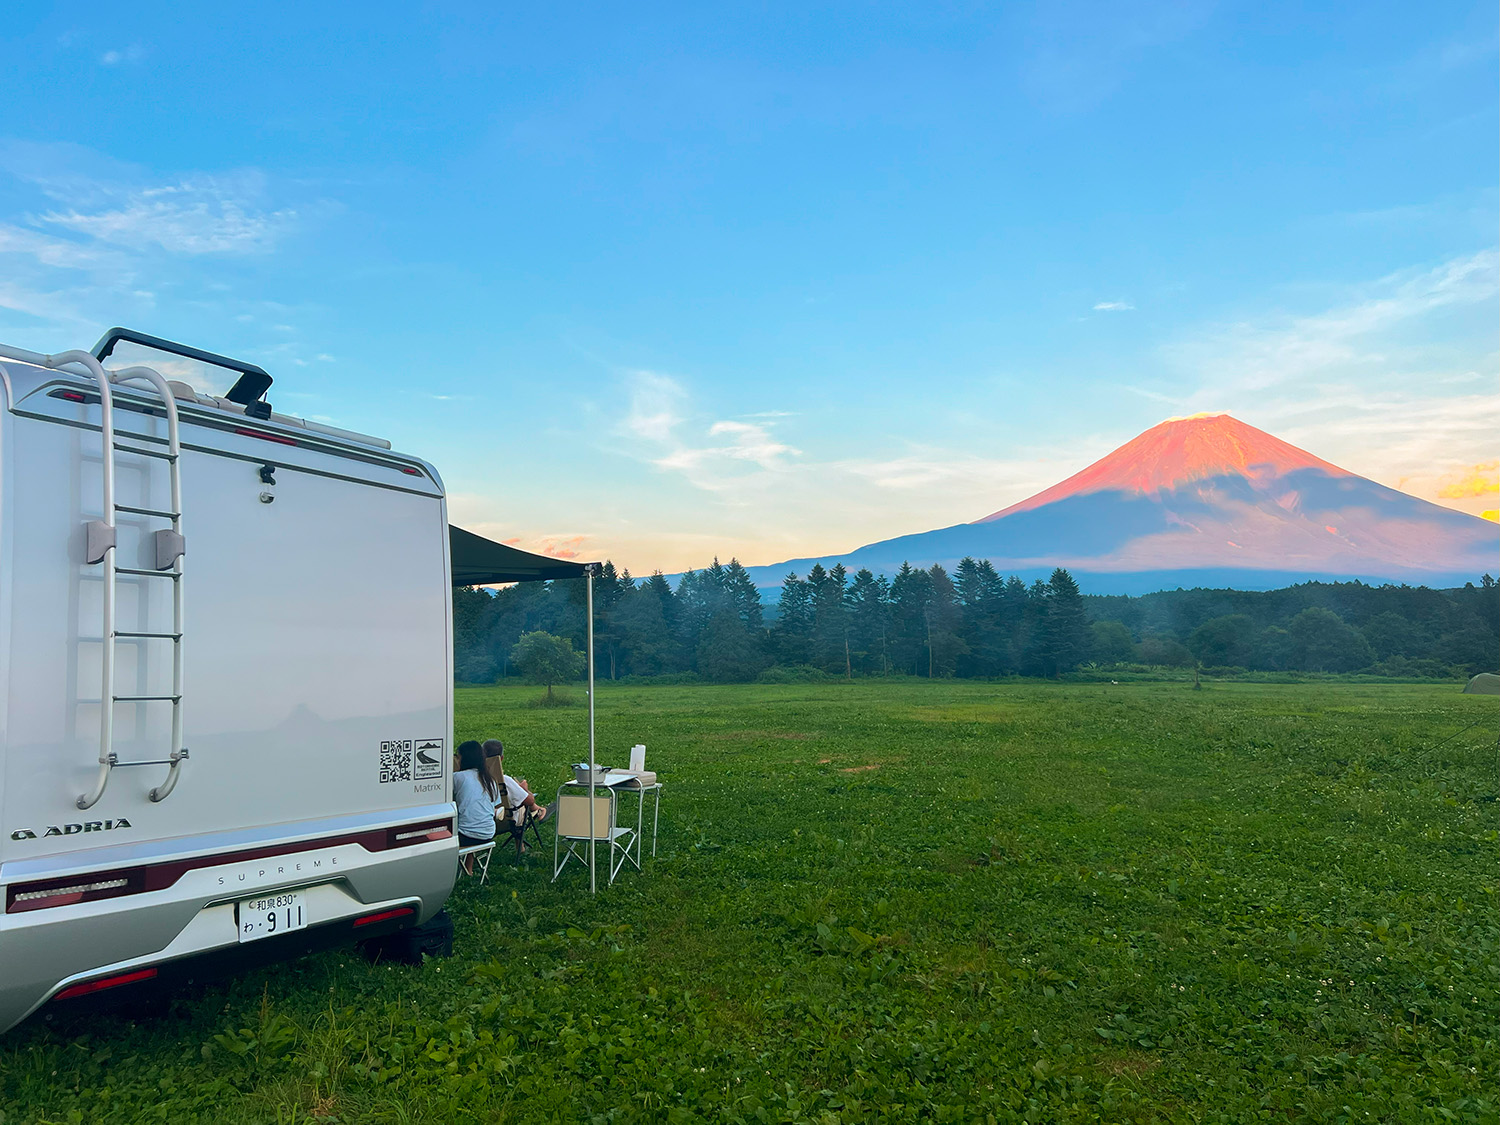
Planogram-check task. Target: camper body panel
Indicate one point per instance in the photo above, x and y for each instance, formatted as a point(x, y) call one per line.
point(317, 697)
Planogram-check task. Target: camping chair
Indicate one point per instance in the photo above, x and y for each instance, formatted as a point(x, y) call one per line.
point(480, 864)
point(572, 812)
point(514, 821)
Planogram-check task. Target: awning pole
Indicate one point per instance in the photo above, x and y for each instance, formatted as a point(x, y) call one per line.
point(589, 586)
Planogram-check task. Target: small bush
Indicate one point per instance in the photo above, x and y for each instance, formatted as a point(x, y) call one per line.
point(795, 674)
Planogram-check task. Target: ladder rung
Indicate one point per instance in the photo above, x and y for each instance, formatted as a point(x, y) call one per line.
point(148, 512)
point(158, 636)
point(158, 453)
point(147, 573)
point(147, 698)
point(152, 762)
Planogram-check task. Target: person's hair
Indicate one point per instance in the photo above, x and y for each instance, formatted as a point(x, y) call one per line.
point(471, 757)
point(493, 747)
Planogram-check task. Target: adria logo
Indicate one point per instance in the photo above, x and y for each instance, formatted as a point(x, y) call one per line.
point(71, 829)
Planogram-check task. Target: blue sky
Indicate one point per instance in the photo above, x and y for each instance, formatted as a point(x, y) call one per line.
point(688, 281)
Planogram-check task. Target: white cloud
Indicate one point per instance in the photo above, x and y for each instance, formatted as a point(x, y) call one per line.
point(92, 241)
point(1114, 306)
point(768, 500)
point(1381, 383)
point(131, 54)
point(741, 442)
point(195, 215)
point(654, 402)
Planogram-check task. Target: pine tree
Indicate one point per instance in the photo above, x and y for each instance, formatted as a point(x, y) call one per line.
point(650, 616)
point(944, 621)
point(610, 590)
point(727, 652)
point(910, 593)
point(869, 622)
point(741, 593)
point(830, 619)
point(794, 620)
point(1065, 627)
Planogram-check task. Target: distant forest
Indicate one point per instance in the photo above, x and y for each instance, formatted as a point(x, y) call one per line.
point(975, 623)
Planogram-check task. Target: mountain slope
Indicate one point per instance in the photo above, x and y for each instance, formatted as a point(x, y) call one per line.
point(1206, 500)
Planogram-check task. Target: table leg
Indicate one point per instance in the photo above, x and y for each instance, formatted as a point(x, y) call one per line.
point(655, 820)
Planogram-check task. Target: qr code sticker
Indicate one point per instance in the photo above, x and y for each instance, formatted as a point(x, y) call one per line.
point(395, 761)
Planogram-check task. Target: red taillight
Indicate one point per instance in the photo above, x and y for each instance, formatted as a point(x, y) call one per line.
point(383, 916)
point(72, 396)
point(67, 890)
point(82, 888)
point(409, 471)
point(264, 435)
point(91, 986)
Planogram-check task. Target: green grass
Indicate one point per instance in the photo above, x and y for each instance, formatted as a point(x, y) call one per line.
point(911, 901)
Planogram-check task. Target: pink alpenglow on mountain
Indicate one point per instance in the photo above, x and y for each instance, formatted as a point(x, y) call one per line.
point(1181, 451)
point(1206, 501)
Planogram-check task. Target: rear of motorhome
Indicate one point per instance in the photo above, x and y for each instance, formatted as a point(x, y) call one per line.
point(225, 676)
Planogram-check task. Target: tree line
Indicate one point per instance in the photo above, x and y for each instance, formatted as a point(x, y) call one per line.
point(973, 622)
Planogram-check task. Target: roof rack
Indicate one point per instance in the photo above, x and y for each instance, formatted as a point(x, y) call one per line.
point(250, 387)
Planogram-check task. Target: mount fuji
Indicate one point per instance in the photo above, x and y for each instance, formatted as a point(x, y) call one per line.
point(1203, 501)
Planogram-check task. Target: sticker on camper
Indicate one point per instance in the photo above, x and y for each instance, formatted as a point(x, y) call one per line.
point(427, 760)
point(395, 760)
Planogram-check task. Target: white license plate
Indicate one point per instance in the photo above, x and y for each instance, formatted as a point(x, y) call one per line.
point(270, 915)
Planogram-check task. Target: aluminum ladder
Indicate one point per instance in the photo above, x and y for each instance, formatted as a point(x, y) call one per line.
point(100, 538)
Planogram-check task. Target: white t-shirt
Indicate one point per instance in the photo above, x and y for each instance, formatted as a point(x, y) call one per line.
point(515, 792)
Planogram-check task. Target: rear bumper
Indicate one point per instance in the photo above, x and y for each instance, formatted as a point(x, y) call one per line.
point(218, 964)
point(47, 951)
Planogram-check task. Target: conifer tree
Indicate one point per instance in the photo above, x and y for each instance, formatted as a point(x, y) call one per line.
point(794, 621)
point(830, 619)
point(869, 622)
point(1065, 625)
point(911, 591)
point(944, 644)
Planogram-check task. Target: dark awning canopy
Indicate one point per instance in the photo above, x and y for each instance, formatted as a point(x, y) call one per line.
point(478, 561)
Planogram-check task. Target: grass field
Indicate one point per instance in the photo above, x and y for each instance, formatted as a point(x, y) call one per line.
point(911, 901)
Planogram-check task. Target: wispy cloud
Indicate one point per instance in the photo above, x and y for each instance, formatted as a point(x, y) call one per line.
point(942, 470)
point(738, 442)
point(132, 54)
point(194, 215)
point(655, 400)
point(1154, 396)
point(713, 456)
point(767, 492)
point(92, 241)
point(1114, 306)
point(1381, 383)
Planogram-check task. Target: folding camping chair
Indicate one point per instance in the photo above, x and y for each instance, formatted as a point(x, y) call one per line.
point(515, 824)
point(573, 826)
point(480, 864)
point(514, 821)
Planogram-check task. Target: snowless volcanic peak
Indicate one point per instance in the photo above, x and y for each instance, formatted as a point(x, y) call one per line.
point(1180, 451)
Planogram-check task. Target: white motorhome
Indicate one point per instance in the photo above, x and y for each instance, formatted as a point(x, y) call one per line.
point(226, 704)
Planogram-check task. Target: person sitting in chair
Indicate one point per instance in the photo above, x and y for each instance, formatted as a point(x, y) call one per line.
point(518, 798)
point(475, 793)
